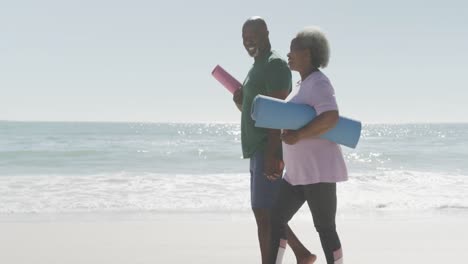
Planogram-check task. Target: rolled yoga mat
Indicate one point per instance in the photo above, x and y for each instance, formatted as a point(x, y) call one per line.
point(226, 79)
point(269, 112)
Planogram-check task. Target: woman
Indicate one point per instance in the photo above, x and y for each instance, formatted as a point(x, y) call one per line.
point(313, 165)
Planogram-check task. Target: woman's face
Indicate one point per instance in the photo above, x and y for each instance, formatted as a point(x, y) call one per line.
point(298, 57)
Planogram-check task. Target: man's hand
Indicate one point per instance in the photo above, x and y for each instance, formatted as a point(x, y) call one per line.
point(273, 166)
point(290, 137)
point(237, 98)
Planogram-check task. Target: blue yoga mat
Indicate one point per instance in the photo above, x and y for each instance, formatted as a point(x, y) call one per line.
point(269, 112)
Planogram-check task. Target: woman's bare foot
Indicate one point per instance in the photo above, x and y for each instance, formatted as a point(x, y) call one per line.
point(309, 259)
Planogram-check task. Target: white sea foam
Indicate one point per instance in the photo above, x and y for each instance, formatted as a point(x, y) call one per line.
point(383, 190)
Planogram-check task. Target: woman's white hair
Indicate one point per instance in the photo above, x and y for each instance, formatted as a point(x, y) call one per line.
point(313, 39)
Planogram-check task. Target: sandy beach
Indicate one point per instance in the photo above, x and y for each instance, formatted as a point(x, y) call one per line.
point(224, 238)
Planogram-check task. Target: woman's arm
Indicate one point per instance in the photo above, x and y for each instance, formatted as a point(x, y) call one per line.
point(317, 127)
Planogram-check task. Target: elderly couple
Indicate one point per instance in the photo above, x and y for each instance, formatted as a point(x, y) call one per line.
point(312, 165)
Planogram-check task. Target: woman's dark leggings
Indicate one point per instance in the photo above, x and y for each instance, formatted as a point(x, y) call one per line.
point(321, 198)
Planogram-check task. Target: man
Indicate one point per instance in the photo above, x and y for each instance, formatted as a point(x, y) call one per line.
point(270, 76)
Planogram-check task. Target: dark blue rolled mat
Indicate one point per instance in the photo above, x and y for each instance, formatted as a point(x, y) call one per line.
point(269, 112)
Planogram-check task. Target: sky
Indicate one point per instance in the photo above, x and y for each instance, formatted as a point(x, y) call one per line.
point(150, 61)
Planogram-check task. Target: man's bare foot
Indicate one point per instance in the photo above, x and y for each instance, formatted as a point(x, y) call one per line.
point(310, 259)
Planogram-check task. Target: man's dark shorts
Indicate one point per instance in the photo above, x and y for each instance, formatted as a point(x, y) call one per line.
point(263, 192)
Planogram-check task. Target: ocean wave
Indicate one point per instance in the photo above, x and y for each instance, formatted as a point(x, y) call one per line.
point(154, 192)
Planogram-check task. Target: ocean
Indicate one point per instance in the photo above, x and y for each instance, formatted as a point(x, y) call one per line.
point(73, 167)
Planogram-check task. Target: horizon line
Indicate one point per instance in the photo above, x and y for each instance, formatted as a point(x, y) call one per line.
point(215, 122)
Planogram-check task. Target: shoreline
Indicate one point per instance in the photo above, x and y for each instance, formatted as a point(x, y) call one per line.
point(302, 214)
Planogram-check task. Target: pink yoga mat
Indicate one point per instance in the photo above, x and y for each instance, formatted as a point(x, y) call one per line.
point(226, 79)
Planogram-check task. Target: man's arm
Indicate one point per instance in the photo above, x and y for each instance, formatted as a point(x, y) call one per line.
point(273, 152)
point(237, 98)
